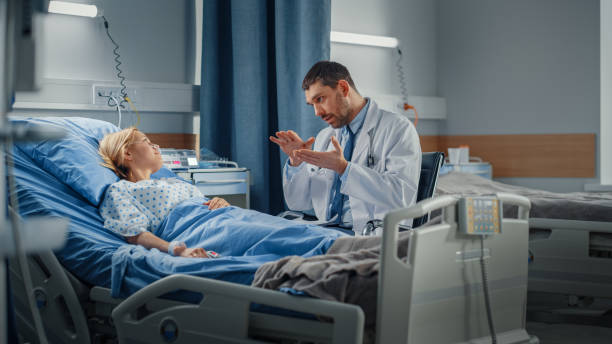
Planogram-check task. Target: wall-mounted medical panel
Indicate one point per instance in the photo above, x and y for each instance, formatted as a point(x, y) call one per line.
point(427, 107)
point(68, 94)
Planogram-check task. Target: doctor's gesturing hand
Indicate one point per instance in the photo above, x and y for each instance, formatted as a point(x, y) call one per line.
point(289, 141)
point(333, 159)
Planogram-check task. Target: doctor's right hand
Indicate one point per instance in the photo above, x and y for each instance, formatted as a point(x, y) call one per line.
point(289, 141)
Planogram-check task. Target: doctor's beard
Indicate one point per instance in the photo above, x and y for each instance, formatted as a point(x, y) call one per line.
point(344, 111)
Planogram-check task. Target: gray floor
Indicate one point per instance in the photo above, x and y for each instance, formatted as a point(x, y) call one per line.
point(591, 312)
point(569, 334)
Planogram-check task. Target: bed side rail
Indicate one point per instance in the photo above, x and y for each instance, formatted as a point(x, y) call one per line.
point(395, 275)
point(56, 297)
point(523, 203)
point(223, 313)
point(57, 301)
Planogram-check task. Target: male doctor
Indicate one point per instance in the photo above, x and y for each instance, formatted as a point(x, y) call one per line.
point(366, 163)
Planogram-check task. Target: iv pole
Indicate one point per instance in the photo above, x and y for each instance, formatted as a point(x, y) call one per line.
point(19, 72)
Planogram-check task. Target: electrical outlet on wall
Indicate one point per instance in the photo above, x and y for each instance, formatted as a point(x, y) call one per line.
point(102, 92)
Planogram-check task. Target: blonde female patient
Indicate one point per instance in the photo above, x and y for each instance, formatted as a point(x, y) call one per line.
point(136, 205)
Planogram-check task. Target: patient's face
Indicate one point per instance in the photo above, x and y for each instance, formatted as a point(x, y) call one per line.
point(329, 104)
point(144, 153)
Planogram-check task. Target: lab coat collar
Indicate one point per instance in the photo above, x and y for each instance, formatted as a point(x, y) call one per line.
point(372, 117)
point(357, 122)
point(369, 126)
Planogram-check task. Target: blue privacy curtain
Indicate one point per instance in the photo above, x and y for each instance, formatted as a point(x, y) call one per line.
point(255, 54)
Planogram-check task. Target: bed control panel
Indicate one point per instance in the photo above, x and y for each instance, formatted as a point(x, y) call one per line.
point(480, 215)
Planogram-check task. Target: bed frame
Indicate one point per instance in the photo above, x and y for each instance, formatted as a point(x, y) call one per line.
point(435, 295)
point(571, 257)
point(75, 313)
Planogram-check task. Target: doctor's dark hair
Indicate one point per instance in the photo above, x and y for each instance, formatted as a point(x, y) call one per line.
point(329, 73)
point(112, 150)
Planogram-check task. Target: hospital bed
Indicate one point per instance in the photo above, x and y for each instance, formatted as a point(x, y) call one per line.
point(438, 280)
point(570, 236)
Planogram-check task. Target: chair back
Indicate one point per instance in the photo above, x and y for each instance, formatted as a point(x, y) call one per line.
point(431, 162)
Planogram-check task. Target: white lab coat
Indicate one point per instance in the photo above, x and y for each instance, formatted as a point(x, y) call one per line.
point(391, 183)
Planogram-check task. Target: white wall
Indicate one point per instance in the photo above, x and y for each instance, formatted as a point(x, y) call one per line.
point(198, 14)
point(520, 66)
point(373, 69)
point(152, 35)
point(157, 43)
point(605, 141)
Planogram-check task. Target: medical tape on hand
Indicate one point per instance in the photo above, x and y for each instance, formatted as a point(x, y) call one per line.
point(174, 244)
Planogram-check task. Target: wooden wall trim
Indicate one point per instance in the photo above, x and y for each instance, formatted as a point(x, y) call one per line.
point(430, 144)
point(180, 141)
point(529, 155)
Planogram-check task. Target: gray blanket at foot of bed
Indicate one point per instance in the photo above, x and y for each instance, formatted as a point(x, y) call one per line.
point(583, 206)
point(348, 272)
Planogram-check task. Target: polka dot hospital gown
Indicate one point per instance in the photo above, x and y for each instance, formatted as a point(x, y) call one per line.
point(131, 208)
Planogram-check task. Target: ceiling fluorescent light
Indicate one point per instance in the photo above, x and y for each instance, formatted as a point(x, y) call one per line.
point(360, 39)
point(71, 8)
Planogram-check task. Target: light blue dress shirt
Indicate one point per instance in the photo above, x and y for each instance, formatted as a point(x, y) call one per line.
point(355, 125)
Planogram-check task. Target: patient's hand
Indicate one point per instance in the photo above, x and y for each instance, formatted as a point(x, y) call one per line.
point(217, 203)
point(197, 252)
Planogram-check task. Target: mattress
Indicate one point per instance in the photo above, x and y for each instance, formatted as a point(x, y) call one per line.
point(582, 206)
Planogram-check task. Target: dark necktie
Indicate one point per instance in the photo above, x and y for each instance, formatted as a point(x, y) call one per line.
point(337, 200)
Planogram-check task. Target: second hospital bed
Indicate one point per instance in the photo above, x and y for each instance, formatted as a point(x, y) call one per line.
point(84, 303)
point(570, 237)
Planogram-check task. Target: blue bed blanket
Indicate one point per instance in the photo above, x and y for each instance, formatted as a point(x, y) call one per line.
point(244, 240)
point(65, 179)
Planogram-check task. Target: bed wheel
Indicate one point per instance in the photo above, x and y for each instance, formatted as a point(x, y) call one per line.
point(40, 297)
point(169, 330)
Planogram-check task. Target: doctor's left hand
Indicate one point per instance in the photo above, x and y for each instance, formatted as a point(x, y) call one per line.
point(333, 160)
point(216, 203)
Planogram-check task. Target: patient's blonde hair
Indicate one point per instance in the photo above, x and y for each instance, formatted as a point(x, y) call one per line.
point(112, 149)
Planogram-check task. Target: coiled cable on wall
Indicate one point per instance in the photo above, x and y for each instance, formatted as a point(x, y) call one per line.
point(117, 64)
point(403, 88)
point(401, 76)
